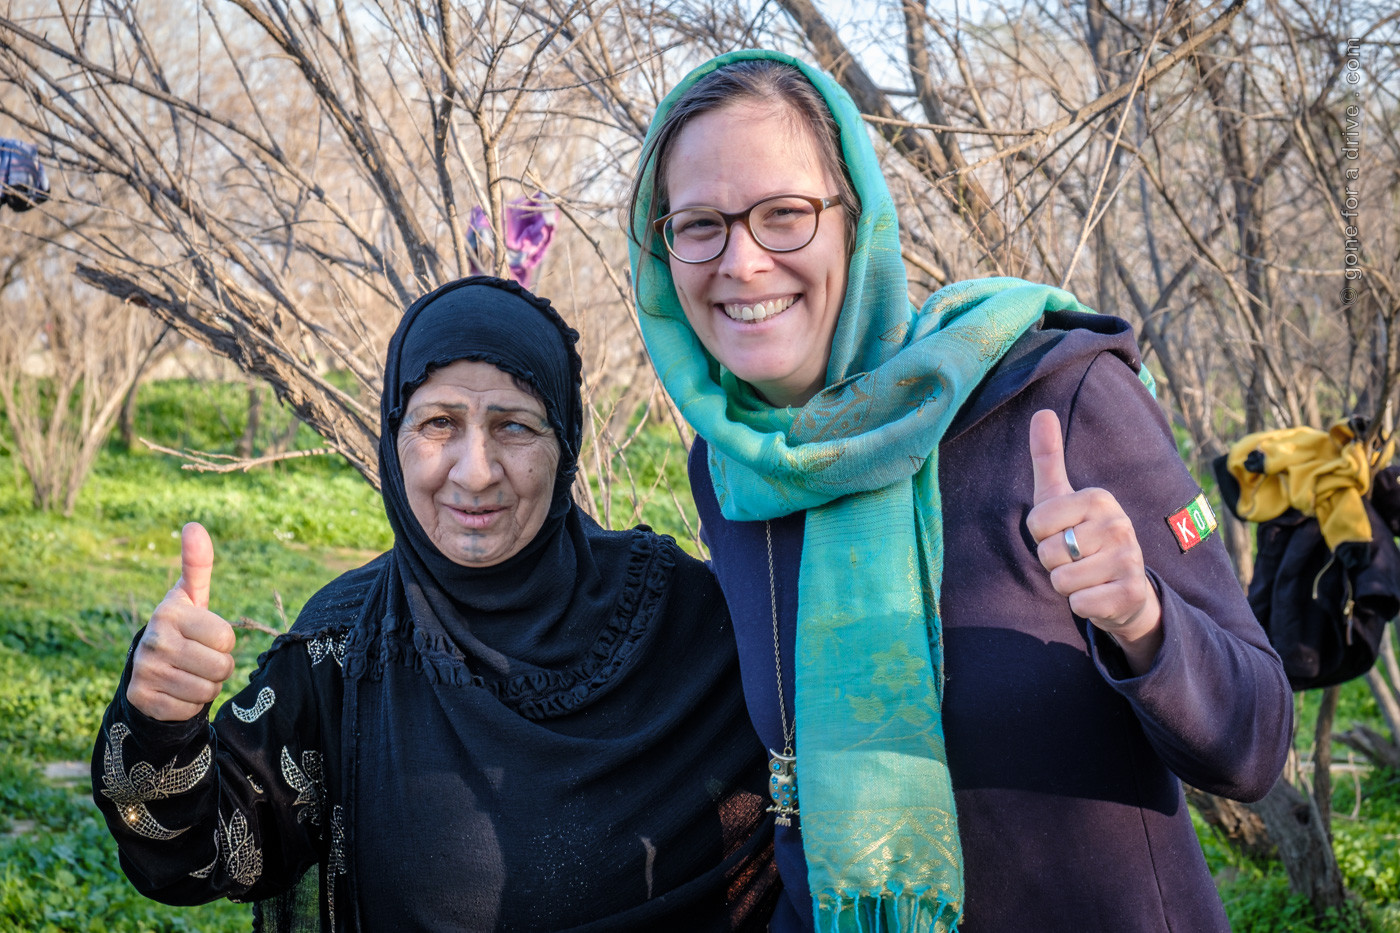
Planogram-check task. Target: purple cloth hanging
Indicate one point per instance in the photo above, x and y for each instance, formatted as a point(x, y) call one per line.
point(529, 223)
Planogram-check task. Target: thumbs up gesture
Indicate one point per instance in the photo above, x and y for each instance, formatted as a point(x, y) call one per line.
point(186, 652)
point(1087, 542)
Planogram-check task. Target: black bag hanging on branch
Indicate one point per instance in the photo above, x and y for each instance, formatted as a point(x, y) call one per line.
point(1327, 571)
point(23, 181)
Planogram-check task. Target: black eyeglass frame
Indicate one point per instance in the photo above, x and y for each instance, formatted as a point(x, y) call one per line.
point(730, 219)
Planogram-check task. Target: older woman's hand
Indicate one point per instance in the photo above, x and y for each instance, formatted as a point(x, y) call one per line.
point(1105, 581)
point(186, 652)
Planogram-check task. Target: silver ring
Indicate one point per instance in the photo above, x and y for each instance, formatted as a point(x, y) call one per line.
point(1072, 544)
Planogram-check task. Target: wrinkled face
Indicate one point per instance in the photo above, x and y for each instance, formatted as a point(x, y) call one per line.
point(729, 159)
point(478, 458)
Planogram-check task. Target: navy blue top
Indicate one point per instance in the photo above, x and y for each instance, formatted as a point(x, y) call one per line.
point(739, 555)
point(1065, 766)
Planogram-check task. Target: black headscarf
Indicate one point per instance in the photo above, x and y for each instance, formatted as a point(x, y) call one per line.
point(507, 615)
point(492, 321)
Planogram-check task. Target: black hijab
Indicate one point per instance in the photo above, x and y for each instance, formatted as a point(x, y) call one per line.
point(540, 608)
point(492, 321)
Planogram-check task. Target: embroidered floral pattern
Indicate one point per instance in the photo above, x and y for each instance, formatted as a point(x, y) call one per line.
point(242, 859)
point(266, 697)
point(326, 645)
point(306, 781)
point(130, 791)
point(335, 862)
point(896, 334)
point(834, 415)
point(992, 340)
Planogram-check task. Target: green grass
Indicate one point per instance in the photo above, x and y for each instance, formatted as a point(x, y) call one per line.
point(73, 592)
point(60, 873)
point(1366, 841)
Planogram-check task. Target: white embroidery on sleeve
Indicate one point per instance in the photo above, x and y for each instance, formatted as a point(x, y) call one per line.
point(130, 791)
point(266, 697)
point(241, 857)
point(323, 646)
point(306, 781)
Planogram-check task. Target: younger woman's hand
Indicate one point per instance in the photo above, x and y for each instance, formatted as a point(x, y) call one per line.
point(1105, 581)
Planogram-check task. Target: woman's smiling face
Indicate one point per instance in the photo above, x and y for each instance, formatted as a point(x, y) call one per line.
point(729, 159)
point(479, 459)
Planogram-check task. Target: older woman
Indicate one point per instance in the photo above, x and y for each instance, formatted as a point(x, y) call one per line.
point(513, 720)
point(980, 652)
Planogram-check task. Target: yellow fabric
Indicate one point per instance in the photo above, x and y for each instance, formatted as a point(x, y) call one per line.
point(1321, 473)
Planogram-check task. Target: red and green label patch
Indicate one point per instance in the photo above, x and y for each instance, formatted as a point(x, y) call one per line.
point(1192, 523)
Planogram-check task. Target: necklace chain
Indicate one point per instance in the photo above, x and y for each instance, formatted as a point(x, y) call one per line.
point(782, 768)
point(789, 732)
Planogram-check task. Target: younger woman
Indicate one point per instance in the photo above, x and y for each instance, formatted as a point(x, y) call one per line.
point(984, 650)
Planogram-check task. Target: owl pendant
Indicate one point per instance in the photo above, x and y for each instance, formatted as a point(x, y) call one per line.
point(782, 786)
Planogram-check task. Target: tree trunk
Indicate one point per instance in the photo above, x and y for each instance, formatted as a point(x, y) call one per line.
point(1387, 693)
point(1322, 758)
point(126, 424)
point(1242, 828)
point(127, 420)
point(1235, 534)
point(250, 429)
point(1294, 823)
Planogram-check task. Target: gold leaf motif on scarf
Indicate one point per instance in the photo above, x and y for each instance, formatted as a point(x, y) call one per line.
point(921, 389)
point(867, 709)
point(720, 472)
point(130, 791)
point(872, 831)
point(884, 228)
point(780, 489)
point(896, 334)
point(993, 340)
point(833, 415)
point(815, 459)
point(903, 673)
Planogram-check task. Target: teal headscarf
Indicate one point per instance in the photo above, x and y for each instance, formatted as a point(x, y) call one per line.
point(877, 818)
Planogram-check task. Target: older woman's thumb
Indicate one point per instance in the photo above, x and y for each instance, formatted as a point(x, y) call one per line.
point(196, 563)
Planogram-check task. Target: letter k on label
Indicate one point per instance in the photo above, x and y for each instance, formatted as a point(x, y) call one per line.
point(1185, 531)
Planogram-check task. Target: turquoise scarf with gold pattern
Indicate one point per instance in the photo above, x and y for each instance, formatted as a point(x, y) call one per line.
point(877, 817)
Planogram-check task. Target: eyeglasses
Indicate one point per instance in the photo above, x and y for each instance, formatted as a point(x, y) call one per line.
point(779, 224)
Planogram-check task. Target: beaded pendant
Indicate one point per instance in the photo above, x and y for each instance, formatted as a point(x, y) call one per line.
point(782, 786)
